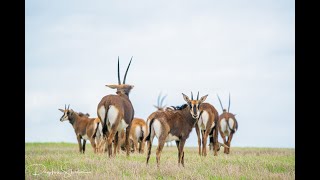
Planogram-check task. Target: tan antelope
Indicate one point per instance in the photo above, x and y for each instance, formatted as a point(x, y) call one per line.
point(138, 131)
point(207, 118)
point(228, 125)
point(83, 126)
point(116, 113)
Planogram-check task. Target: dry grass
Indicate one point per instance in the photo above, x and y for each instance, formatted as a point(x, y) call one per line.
point(62, 161)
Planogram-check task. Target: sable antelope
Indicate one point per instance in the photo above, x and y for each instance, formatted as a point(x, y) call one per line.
point(121, 141)
point(228, 125)
point(137, 135)
point(83, 126)
point(116, 112)
point(175, 124)
point(138, 132)
point(207, 117)
point(168, 126)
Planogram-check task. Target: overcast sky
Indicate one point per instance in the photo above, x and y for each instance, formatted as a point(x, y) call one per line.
point(243, 47)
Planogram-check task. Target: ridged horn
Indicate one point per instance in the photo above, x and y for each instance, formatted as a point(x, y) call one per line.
point(119, 81)
point(125, 75)
point(220, 102)
point(162, 100)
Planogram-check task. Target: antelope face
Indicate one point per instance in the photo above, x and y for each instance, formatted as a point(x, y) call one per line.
point(194, 105)
point(66, 114)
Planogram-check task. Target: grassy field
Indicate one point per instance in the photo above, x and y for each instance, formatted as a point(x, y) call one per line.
point(62, 161)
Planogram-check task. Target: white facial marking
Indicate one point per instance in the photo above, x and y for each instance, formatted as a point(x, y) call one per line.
point(65, 118)
point(102, 113)
point(197, 111)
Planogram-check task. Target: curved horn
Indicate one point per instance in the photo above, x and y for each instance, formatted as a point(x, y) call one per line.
point(125, 75)
point(162, 100)
point(119, 81)
point(191, 96)
point(65, 106)
point(220, 102)
point(158, 101)
point(198, 96)
point(68, 106)
point(229, 102)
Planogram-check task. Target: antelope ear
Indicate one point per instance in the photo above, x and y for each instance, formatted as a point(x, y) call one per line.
point(186, 98)
point(61, 110)
point(203, 98)
point(113, 86)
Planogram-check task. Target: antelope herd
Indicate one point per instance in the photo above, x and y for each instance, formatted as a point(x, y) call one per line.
point(116, 126)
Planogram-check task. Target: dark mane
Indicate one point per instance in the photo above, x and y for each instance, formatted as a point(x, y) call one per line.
point(82, 114)
point(179, 107)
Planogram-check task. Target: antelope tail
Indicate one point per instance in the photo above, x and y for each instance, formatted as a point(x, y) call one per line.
point(104, 125)
point(142, 133)
point(95, 131)
point(149, 133)
point(232, 130)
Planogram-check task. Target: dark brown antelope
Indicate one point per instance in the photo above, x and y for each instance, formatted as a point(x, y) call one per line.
point(168, 126)
point(228, 125)
point(207, 118)
point(116, 113)
point(171, 125)
point(83, 126)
